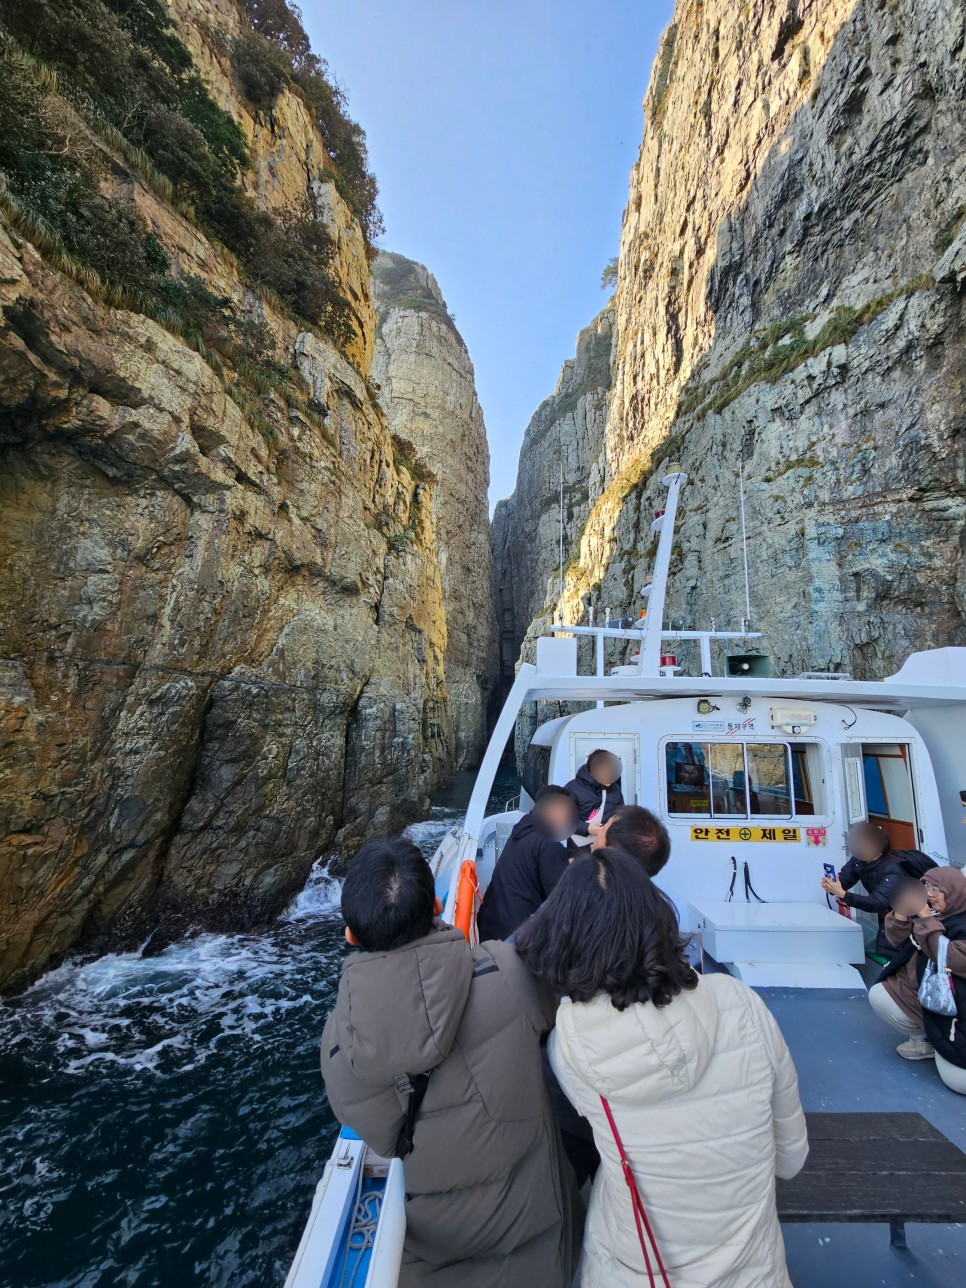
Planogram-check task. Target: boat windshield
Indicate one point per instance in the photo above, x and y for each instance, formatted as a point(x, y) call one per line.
point(739, 779)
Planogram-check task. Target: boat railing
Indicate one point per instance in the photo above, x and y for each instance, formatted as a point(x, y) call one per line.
point(636, 633)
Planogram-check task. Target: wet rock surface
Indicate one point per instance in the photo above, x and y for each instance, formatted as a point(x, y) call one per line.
point(222, 635)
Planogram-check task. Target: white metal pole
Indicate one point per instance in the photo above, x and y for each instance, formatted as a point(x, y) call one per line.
point(706, 656)
point(744, 543)
point(649, 662)
point(560, 604)
point(599, 643)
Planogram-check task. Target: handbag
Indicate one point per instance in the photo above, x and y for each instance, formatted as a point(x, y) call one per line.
point(640, 1213)
point(936, 987)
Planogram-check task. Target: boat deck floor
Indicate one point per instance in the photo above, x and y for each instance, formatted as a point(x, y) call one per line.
point(846, 1062)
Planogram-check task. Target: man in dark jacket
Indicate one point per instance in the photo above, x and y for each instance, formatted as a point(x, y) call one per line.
point(532, 862)
point(877, 866)
point(597, 790)
point(489, 1196)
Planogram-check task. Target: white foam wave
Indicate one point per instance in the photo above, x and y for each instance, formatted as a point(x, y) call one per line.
point(148, 1014)
point(319, 896)
point(171, 1011)
point(428, 833)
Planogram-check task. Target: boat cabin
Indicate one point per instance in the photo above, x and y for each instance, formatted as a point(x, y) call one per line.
point(758, 778)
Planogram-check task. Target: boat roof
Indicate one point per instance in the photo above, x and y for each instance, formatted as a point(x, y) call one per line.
point(847, 1063)
point(879, 695)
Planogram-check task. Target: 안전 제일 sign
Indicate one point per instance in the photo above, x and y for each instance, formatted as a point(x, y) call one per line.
point(772, 834)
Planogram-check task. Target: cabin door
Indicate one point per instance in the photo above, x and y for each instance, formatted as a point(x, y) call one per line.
point(625, 746)
point(889, 793)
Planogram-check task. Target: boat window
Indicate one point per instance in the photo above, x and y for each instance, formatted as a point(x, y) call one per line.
point(803, 758)
point(536, 770)
point(742, 780)
point(769, 779)
point(728, 797)
point(888, 791)
point(687, 778)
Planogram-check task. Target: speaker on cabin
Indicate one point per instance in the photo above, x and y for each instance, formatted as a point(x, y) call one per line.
point(756, 666)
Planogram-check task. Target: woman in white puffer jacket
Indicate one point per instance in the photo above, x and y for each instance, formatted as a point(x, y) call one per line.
point(697, 1077)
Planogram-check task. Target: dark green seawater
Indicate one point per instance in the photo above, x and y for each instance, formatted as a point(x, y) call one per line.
point(162, 1119)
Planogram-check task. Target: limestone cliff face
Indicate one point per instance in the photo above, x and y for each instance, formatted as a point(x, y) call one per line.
point(566, 433)
point(222, 627)
point(427, 387)
point(789, 293)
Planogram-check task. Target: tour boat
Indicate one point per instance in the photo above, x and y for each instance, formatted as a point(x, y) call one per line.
point(758, 779)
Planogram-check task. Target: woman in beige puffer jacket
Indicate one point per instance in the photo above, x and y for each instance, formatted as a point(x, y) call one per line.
point(698, 1078)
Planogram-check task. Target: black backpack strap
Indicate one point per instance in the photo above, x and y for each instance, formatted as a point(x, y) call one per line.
point(416, 1084)
point(904, 954)
point(915, 864)
point(734, 878)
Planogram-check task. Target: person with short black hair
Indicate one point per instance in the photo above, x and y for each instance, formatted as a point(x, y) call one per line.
point(873, 862)
point(690, 1072)
point(596, 790)
point(432, 1054)
point(634, 830)
point(388, 899)
point(533, 860)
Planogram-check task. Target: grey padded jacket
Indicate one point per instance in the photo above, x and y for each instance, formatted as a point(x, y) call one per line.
point(489, 1196)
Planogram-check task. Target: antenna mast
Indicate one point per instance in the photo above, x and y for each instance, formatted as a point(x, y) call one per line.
point(561, 588)
point(746, 624)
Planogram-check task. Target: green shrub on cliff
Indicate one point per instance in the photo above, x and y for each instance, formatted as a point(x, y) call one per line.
point(53, 171)
point(279, 24)
point(85, 72)
point(261, 67)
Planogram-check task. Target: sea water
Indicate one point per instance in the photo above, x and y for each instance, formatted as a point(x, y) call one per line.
point(162, 1118)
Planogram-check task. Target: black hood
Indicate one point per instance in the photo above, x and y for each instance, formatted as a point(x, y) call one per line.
point(584, 776)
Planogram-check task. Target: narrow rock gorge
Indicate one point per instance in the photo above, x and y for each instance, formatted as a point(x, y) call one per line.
point(789, 294)
point(565, 437)
point(224, 645)
point(426, 384)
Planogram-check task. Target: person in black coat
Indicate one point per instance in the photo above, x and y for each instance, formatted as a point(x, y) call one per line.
point(533, 861)
point(598, 783)
point(878, 867)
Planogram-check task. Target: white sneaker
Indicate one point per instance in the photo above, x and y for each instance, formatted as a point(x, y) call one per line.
point(916, 1049)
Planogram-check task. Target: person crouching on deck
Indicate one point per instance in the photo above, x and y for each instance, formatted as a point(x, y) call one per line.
point(489, 1198)
point(878, 867)
point(691, 1074)
point(923, 913)
point(532, 862)
point(597, 793)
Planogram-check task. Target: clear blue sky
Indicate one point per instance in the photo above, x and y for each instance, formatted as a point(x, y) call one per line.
point(502, 134)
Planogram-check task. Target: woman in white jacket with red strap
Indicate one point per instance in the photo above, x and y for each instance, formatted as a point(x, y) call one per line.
point(691, 1074)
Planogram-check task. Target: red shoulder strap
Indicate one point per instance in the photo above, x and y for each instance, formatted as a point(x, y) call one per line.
point(640, 1213)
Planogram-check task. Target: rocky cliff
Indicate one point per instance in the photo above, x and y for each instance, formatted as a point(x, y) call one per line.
point(222, 626)
point(790, 294)
point(565, 434)
point(426, 384)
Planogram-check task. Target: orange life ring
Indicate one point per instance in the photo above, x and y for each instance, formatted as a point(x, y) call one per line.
point(467, 892)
